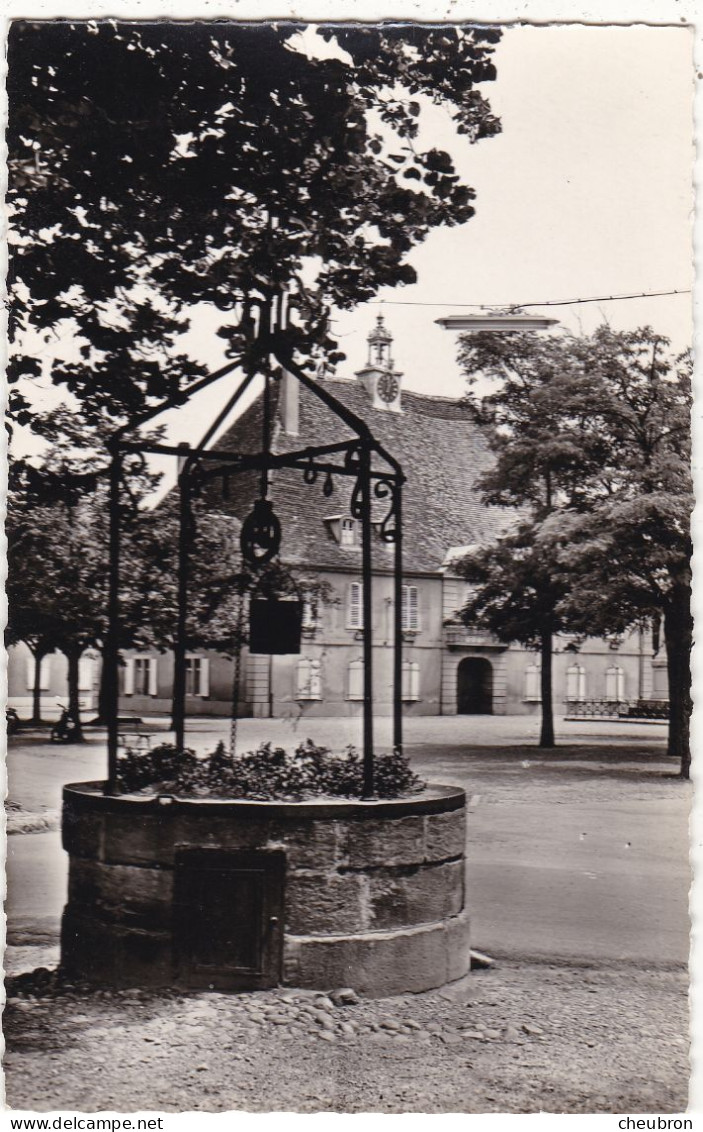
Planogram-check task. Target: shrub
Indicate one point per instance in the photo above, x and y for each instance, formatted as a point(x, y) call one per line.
point(266, 774)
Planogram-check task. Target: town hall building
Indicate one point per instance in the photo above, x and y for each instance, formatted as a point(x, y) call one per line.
point(448, 668)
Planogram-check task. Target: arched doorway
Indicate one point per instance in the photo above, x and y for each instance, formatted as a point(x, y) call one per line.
point(474, 686)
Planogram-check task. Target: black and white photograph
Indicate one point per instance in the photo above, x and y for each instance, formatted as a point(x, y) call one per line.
point(348, 582)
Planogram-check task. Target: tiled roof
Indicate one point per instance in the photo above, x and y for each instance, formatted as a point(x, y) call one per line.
point(441, 450)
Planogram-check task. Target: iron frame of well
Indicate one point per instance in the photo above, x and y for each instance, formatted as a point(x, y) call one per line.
point(357, 458)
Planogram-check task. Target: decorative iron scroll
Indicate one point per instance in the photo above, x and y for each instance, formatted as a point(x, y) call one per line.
point(260, 537)
point(385, 489)
point(352, 462)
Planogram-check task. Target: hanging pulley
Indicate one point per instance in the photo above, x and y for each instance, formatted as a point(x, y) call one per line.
point(260, 537)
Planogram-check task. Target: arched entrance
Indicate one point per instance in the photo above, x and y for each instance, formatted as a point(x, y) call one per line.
point(474, 686)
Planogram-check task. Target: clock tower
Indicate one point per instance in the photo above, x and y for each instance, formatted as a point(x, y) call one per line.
point(379, 378)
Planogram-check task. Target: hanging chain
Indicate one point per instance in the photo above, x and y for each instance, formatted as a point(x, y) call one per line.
point(236, 678)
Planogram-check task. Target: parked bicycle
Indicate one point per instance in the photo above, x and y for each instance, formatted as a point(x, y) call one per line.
point(65, 728)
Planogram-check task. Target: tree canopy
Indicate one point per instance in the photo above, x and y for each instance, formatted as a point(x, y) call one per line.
point(158, 165)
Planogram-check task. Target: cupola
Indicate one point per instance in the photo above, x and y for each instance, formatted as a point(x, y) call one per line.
point(379, 377)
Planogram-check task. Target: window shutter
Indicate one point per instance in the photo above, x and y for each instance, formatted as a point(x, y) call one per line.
point(303, 675)
point(410, 608)
point(204, 676)
point(85, 674)
point(614, 683)
point(356, 610)
point(533, 690)
point(356, 680)
point(415, 682)
point(129, 676)
point(582, 683)
point(413, 608)
point(153, 679)
point(572, 683)
point(411, 680)
point(315, 680)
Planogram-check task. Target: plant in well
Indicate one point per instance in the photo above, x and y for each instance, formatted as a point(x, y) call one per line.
point(267, 774)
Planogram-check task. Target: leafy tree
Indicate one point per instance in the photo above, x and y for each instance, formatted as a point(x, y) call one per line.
point(160, 165)
point(628, 552)
point(544, 454)
point(517, 598)
point(592, 442)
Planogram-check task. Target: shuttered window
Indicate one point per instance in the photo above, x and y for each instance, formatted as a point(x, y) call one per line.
point(575, 683)
point(312, 612)
point(355, 677)
point(86, 674)
point(615, 683)
point(411, 680)
point(197, 676)
point(355, 609)
point(410, 609)
point(533, 689)
point(309, 679)
point(141, 676)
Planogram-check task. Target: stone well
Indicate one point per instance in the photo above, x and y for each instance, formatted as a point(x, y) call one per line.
point(239, 894)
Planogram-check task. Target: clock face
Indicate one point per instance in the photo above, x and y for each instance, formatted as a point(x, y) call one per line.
point(388, 387)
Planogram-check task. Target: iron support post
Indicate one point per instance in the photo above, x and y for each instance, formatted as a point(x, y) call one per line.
point(398, 620)
point(179, 651)
point(111, 655)
point(367, 607)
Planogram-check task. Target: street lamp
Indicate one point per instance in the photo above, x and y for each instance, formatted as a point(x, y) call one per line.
point(496, 320)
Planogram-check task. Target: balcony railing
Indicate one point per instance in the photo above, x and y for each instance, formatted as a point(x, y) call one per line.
point(461, 636)
point(619, 709)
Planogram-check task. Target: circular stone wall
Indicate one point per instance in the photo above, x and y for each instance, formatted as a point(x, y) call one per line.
point(370, 894)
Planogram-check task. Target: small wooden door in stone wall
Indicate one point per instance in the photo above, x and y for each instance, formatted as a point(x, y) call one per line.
point(228, 929)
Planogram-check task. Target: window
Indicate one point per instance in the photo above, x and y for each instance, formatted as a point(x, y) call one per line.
point(44, 673)
point(309, 679)
point(356, 680)
point(410, 609)
point(86, 673)
point(140, 676)
point(533, 684)
point(575, 683)
point(411, 680)
point(312, 613)
point(197, 676)
point(355, 608)
point(347, 532)
point(615, 683)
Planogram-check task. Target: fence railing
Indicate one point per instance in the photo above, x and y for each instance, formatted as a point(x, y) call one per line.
point(621, 709)
point(462, 636)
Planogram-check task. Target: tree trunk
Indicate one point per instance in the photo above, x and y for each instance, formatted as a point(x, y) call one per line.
point(74, 711)
point(36, 687)
point(678, 636)
point(546, 738)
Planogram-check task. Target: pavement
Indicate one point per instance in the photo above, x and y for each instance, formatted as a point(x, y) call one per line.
point(574, 855)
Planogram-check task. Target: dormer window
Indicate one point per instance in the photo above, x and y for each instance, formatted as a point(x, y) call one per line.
point(343, 530)
point(347, 534)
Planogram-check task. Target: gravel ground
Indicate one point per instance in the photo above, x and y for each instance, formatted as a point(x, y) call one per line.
point(516, 1038)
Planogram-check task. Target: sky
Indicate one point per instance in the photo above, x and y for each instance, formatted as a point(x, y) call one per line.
point(587, 192)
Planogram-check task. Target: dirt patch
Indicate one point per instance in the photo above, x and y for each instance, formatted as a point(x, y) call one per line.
point(517, 1038)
